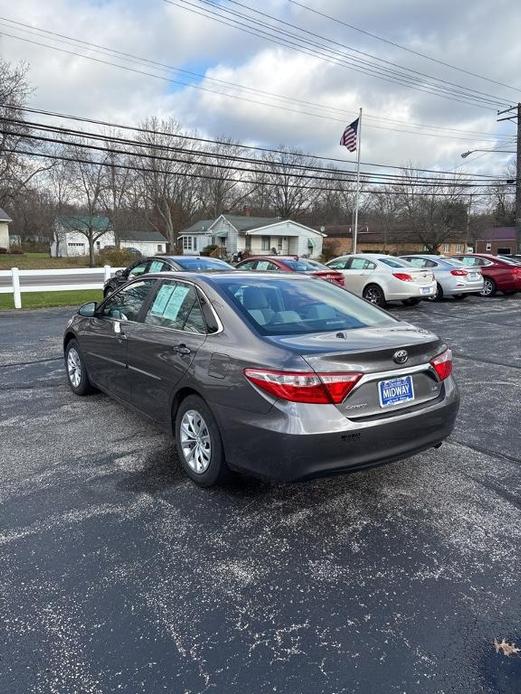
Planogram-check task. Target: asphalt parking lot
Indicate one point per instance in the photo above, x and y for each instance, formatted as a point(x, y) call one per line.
point(119, 575)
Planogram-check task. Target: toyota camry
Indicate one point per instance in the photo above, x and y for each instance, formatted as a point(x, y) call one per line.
point(279, 376)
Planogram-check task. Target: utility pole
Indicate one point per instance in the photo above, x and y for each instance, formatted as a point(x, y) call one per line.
point(517, 117)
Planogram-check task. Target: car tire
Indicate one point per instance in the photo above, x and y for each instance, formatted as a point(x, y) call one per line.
point(374, 294)
point(489, 287)
point(413, 301)
point(196, 431)
point(76, 370)
point(459, 297)
point(439, 293)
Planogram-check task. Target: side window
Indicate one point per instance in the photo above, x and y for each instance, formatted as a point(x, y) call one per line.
point(431, 263)
point(358, 264)
point(177, 306)
point(338, 264)
point(138, 270)
point(248, 265)
point(369, 265)
point(265, 265)
point(417, 262)
point(469, 261)
point(158, 266)
point(126, 304)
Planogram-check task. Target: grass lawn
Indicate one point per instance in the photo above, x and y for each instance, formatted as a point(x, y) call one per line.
point(40, 261)
point(48, 299)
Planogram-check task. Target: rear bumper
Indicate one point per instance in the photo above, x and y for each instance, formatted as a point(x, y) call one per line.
point(410, 291)
point(294, 442)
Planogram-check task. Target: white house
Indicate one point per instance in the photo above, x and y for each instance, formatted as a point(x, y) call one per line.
point(69, 241)
point(4, 229)
point(257, 235)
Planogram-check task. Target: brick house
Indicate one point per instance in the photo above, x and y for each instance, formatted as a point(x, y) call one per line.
point(340, 240)
point(498, 241)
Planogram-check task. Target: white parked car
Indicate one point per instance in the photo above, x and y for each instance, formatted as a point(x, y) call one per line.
point(380, 278)
point(452, 277)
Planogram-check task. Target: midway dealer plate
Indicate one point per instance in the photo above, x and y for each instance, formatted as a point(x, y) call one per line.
point(395, 391)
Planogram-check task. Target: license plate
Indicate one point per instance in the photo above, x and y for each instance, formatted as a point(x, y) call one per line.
point(426, 290)
point(395, 390)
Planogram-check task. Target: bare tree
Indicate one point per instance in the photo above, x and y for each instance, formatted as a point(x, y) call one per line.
point(167, 187)
point(88, 186)
point(433, 210)
point(16, 170)
point(120, 180)
point(288, 193)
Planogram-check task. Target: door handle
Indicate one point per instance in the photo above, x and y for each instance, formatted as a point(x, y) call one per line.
point(181, 349)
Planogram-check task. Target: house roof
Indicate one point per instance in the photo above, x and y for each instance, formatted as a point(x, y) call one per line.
point(498, 233)
point(81, 222)
point(153, 236)
point(4, 217)
point(198, 227)
point(244, 222)
point(240, 222)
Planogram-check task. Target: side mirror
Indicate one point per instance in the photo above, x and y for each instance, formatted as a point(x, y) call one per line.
point(88, 310)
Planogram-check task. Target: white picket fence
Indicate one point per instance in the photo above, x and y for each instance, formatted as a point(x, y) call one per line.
point(18, 289)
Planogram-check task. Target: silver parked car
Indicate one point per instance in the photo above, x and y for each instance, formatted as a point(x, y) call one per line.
point(452, 277)
point(274, 374)
point(380, 278)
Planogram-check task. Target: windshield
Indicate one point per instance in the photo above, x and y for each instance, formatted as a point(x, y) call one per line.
point(303, 265)
point(293, 307)
point(395, 262)
point(196, 263)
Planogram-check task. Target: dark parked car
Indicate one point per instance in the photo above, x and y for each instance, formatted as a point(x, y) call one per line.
point(291, 263)
point(498, 273)
point(164, 263)
point(278, 375)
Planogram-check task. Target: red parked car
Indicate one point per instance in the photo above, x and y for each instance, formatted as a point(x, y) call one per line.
point(499, 274)
point(291, 263)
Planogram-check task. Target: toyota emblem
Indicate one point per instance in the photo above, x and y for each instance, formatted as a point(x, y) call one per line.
point(401, 356)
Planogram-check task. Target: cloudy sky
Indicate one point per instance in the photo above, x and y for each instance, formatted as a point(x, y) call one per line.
point(253, 89)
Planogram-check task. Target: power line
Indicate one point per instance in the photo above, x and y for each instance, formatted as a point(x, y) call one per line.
point(112, 138)
point(278, 169)
point(225, 143)
point(364, 53)
point(220, 91)
point(387, 119)
point(377, 71)
point(255, 184)
point(402, 47)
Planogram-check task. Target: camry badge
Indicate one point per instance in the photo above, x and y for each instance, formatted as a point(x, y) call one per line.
point(401, 356)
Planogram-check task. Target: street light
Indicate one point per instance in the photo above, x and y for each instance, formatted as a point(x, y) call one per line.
point(464, 155)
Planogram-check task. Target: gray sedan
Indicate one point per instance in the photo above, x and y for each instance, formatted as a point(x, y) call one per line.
point(452, 277)
point(279, 376)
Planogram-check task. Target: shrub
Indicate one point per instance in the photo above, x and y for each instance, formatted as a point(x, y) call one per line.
point(115, 257)
point(208, 250)
point(15, 250)
point(3, 251)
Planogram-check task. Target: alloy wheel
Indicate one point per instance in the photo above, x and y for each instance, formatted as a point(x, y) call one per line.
point(74, 369)
point(373, 295)
point(196, 442)
point(488, 288)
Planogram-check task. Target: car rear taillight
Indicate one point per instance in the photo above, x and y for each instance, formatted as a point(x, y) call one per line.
point(442, 364)
point(459, 273)
point(402, 276)
point(304, 386)
point(336, 277)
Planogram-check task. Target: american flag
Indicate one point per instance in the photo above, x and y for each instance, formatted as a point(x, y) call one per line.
point(348, 138)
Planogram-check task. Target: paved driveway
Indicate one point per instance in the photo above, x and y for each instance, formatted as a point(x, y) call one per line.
point(119, 575)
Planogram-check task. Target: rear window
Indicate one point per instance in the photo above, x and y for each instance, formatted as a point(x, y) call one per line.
point(303, 265)
point(202, 264)
point(290, 307)
point(394, 262)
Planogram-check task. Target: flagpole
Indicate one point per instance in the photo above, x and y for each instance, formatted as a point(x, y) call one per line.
point(357, 198)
